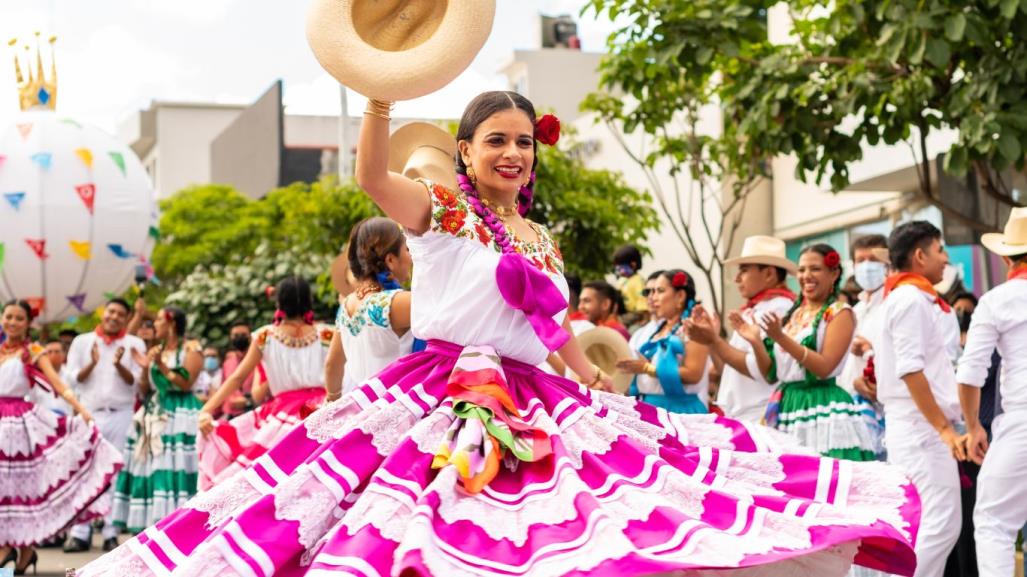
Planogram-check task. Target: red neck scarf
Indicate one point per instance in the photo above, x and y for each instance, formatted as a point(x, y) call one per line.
point(919, 281)
point(107, 339)
point(767, 294)
point(1019, 272)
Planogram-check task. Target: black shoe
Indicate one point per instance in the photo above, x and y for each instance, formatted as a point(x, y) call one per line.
point(76, 545)
point(31, 563)
point(110, 544)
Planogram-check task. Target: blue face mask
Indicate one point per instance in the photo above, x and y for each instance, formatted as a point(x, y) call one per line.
point(624, 270)
point(870, 275)
point(211, 363)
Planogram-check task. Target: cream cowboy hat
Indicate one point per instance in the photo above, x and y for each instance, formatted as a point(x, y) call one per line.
point(423, 150)
point(765, 250)
point(398, 49)
point(604, 347)
point(1014, 240)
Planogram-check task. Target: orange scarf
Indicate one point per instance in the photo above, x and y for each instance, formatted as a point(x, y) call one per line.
point(767, 294)
point(107, 339)
point(919, 281)
point(1019, 272)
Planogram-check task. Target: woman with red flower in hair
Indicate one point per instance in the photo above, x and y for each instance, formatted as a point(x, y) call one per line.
point(671, 373)
point(802, 355)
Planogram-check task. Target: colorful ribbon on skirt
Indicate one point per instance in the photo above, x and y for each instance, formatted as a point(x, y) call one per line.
point(488, 423)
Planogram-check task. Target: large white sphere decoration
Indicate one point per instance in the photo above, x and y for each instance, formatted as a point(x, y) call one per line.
point(77, 214)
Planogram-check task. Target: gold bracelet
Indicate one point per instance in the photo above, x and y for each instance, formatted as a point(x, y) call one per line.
point(378, 114)
point(379, 108)
point(596, 379)
point(649, 369)
point(805, 352)
point(333, 396)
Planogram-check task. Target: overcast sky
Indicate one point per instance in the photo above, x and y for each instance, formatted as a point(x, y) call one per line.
point(115, 56)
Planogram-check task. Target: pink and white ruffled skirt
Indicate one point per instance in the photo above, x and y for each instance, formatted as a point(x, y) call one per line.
point(53, 472)
point(233, 445)
point(624, 489)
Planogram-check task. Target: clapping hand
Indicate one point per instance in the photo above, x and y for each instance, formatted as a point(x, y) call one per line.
point(749, 331)
point(772, 324)
point(860, 346)
point(141, 359)
point(702, 327)
point(118, 354)
point(94, 353)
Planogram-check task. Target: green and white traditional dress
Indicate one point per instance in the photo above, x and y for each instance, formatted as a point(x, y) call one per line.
point(160, 457)
point(822, 415)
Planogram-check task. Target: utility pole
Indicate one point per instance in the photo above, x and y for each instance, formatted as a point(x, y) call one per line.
point(345, 157)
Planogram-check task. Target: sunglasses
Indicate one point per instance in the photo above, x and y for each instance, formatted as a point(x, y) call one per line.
point(648, 291)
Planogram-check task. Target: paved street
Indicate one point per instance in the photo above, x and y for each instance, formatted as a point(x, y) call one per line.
point(53, 561)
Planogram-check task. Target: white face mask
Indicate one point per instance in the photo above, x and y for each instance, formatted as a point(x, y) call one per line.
point(870, 274)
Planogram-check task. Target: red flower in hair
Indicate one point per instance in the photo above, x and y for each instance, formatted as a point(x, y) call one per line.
point(680, 280)
point(547, 129)
point(832, 260)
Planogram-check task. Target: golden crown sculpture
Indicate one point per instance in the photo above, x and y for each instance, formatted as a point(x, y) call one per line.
point(36, 91)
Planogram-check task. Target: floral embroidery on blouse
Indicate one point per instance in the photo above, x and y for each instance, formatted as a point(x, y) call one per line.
point(802, 319)
point(321, 334)
point(452, 214)
point(374, 310)
point(35, 350)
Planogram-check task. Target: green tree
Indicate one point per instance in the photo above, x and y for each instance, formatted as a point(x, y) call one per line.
point(211, 224)
point(855, 73)
point(217, 295)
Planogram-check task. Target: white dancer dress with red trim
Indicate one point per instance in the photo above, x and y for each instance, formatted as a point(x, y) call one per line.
point(466, 460)
point(53, 469)
point(295, 374)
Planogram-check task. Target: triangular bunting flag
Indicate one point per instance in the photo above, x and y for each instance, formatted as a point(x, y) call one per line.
point(79, 301)
point(87, 192)
point(155, 233)
point(107, 296)
point(81, 248)
point(43, 159)
point(71, 122)
point(38, 246)
point(119, 251)
point(37, 304)
point(3, 249)
point(15, 198)
point(118, 159)
point(86, 156)
point(25, 129)
point(2, 159)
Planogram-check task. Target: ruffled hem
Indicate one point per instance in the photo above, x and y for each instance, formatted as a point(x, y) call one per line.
point(235, 444)
point(79, 499)
point(628, 489)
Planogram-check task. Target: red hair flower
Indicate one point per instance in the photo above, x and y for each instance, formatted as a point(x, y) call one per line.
point(547, 129)
point(680, 280)
point(832, 260)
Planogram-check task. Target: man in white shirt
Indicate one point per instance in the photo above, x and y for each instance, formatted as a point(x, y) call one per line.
point(1000, 320)
point(763, 270)
point(870, 256)
point(916, 383)
point(105, 378)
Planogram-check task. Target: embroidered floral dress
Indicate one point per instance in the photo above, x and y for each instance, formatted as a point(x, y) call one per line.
point(295, 375)
point(160, 454)
point(821, 414)
point(467, 460)
point(53, 469)
point(368, 339)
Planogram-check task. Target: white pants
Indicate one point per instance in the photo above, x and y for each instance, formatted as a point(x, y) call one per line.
point(114, 425)
point(919, 452)
point(1001, 496)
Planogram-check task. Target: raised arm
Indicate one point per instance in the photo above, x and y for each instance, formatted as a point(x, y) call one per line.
point(249, 362)
point(399, 197)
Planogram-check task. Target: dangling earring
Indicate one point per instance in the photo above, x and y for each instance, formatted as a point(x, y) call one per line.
point(472, 177)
